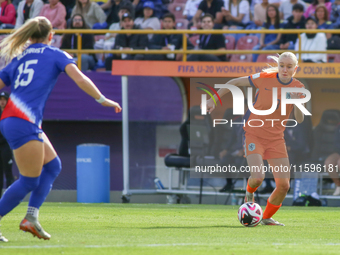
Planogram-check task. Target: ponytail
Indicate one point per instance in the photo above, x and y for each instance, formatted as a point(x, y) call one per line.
point(37, 28)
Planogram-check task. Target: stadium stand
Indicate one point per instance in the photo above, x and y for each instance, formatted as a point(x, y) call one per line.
point(177, 10)
point(241, 58)
point(337, 58)
point(245, 43)
point(195, 40)
point(182, 23)
point(265, 58)
point(229, 44)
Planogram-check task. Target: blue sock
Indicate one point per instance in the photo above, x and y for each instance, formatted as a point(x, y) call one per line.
point(49, 173)
point(16, 193)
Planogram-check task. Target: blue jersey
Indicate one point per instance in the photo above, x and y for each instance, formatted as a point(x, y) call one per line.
point(32, 76)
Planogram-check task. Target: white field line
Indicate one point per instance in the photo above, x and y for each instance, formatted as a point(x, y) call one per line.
point(138, 245)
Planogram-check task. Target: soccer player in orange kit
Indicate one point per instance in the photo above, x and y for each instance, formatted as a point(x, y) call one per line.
point(267, 142)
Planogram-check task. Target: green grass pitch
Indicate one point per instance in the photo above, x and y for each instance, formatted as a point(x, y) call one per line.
point(171, 229)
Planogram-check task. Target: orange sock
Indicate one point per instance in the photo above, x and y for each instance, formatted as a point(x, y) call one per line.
point(270, 210)
point(250, 189)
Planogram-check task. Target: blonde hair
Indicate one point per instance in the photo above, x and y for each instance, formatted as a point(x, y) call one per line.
point(275, 69)
point(37, 28)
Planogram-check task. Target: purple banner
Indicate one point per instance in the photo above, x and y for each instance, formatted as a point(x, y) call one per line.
point(150, 99)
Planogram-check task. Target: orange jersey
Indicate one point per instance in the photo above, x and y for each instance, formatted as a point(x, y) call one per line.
point(264, 82)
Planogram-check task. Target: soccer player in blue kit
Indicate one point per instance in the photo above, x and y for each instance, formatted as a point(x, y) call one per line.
point(32, 74)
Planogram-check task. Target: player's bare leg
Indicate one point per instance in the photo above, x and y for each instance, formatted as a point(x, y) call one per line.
point(255, 162)
point(282, 186)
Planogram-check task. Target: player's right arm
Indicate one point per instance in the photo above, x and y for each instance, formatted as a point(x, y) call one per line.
point(239, 82)
point(88, 86)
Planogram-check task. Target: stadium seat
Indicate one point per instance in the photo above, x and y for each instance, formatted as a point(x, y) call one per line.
point(99, 37)
point(265, 58)
point(330, 58)
point(247, 42)
point(241, 58)
point(182, 159)
point(229, 44)
point(177, 10)
point(323, 135)
point(336, 58)
point(182, 23)
point(56, 41)
point(195, 40)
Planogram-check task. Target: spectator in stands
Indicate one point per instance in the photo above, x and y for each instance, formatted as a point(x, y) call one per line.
point(69, 41)
point(212, 7)
point(270, 41)
point(335, 13)
point(139, 7)
point(55, 12)
point(91, 12)
point(236, 13)
point(286, 8)
point(16, 3)
point(109, 41)
point(191, 8)
point(321, 16)
point(128, 42)
point(7, 14)
point(28, 9)
point(333, 161)
point(274, 2)
point(69, 5)
point(209, 42)
point(148, 21)
point(112, 7)
point(166, 41)
point(296, 21)
point(260, 15)
point(311, 8)
point(312, 42)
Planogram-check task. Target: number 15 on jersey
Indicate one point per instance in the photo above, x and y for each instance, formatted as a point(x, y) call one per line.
point(29, 71)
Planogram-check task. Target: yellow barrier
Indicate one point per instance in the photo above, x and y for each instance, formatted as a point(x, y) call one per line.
point(184, 49)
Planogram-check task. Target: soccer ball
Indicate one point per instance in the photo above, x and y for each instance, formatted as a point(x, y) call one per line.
point(250, 214)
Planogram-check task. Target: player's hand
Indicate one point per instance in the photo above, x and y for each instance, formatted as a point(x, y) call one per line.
point(110, 103)
point(210, 105)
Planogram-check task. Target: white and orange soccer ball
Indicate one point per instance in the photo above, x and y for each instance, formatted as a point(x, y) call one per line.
point(250, 214)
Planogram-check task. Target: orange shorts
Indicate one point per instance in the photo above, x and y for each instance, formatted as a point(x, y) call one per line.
point(266, 148)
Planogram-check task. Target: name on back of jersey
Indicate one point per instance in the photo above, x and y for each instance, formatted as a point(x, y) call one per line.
point(30, 51)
